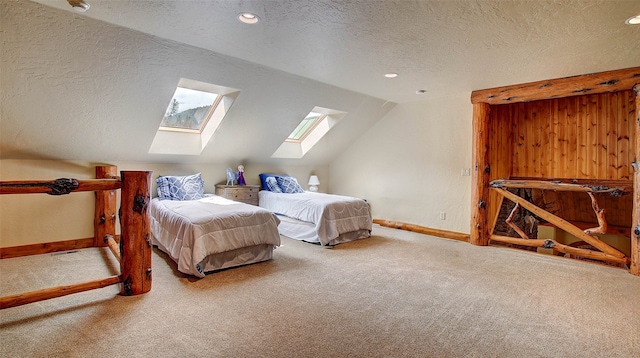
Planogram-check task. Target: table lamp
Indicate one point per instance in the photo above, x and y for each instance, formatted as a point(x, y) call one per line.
point(313, 183)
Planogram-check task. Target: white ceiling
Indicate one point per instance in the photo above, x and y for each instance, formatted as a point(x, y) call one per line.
point(95, 86)
point(444, 47)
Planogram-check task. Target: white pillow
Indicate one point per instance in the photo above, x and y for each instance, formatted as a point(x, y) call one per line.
point(289, 185)
point(189, 187)
point(272, 185)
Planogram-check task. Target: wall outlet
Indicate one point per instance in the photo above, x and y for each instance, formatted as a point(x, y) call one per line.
point(466, 172)
point(443, 215)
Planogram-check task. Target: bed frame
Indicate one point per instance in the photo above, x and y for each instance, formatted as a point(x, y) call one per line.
point(559, 152)
point(132, 249)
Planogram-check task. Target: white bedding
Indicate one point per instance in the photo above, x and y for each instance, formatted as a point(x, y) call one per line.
point(334, 218)
point(191, 231)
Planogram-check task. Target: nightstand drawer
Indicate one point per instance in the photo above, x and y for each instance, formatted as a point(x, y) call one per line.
point(242, 193)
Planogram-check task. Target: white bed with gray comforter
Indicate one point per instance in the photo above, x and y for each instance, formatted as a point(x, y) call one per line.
point(326, 219)
point(213, 233)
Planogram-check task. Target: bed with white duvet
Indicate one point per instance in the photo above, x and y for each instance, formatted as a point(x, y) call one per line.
point(326, 219)
point(212, 233)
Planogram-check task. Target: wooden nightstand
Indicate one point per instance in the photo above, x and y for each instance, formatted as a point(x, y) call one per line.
point(242, 193)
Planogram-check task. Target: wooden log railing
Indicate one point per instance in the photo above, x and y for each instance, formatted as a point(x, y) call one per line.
point(60, 186)
point(104, 219)
point(635, 214)
point(134, 252)
point(606, 253)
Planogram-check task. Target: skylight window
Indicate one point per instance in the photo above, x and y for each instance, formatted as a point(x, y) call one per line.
point(189, 110)
point(305, 127)
point(195, 112)
point(308, 133)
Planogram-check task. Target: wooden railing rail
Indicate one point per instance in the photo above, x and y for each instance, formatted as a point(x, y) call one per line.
point(59, 186)
point(134, 249)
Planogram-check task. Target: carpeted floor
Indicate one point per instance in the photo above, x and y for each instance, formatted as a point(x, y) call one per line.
point(396, 294)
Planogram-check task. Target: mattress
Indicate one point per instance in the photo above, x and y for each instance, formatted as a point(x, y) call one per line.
point(324, 218)
point(191, 231)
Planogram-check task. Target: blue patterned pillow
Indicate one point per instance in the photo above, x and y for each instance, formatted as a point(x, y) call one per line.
point(190, 187)
point(289, 185)
point(272, 185)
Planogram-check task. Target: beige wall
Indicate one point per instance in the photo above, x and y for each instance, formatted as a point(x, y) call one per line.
point(38, 218)
point(409, 165)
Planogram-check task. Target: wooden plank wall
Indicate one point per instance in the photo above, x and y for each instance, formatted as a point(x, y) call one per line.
point(584, 137)
point(574, 137)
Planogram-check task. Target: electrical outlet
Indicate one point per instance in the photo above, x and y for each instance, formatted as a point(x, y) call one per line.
point(466, 172)
point(443, 215)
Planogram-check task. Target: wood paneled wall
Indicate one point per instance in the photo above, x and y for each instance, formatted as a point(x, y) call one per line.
point(573, 137)
point(582, 129)
point(583, 137)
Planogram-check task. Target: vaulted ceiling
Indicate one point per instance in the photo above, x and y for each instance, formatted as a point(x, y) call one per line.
point(444, 47)
point(109, 73)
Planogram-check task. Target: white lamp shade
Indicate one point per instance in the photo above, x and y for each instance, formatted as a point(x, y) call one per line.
point(313, 180)
point(313, 183)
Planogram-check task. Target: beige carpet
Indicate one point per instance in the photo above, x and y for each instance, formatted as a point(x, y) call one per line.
point(396, 294)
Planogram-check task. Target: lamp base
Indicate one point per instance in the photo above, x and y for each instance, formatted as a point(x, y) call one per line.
point(313, 188)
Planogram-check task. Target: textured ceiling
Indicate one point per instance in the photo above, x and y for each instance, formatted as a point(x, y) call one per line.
point(444, 47)
point(94, 86)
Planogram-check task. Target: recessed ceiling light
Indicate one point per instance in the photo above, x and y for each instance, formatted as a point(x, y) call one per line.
point(635, 20)
point(79, 5)
point(248, 18)
point(391, 75)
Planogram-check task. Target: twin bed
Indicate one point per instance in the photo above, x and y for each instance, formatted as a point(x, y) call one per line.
point(205, 233)
point(324, 219)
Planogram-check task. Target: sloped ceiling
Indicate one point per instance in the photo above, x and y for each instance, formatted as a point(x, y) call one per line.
point(94, 86)
point(445, 47)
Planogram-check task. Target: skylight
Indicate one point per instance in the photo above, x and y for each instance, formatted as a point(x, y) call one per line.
point(189, 110)
point(308, 133)
point(305, 127)
point(192, 117)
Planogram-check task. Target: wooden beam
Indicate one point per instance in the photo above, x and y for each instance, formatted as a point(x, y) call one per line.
point(602, 222)
point(583, 181)
point(104, 219)
point(135, 235)
point(423, 230)
point(550, 185)
point(479, 233)
point(635, 236)
point(610, 81)
point(590, 254)
point(60, 186)
point(552, 244)
point(113, 246)
point(515, 227)
point(45, 248)
point(562, 224)
point(523, 242)
point(53, 292)
point(611, 229)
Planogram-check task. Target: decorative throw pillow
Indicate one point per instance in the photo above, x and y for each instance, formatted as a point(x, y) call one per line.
point(272, 185)
point(263, 179)
point(289, 185)
point(189, 187)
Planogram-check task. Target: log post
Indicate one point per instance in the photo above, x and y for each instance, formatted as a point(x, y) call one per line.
point(635, 230)
point(104, 221)
point(479, 234)
point(135, 240)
